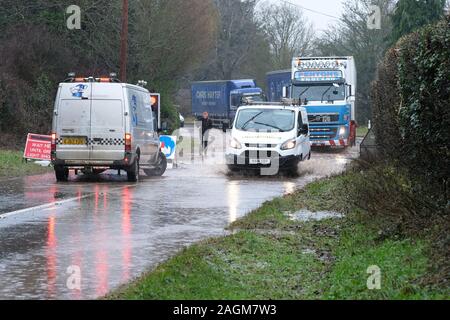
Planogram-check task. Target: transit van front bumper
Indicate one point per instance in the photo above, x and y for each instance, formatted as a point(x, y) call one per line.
point(243, 161)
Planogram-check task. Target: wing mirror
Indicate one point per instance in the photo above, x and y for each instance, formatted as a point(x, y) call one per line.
point(303, 130)
point(225, 126)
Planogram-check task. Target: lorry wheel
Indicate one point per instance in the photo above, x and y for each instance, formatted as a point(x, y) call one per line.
point(62, 174)
point(160, 167)
point(133, 171)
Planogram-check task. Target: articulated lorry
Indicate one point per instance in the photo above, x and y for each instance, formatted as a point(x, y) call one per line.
point(222, 98)
point(326, 87)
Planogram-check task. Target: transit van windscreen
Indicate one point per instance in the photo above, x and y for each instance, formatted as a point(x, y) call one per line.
point(265, 119)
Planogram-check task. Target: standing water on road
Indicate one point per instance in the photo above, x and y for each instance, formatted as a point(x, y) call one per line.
point(79, 240)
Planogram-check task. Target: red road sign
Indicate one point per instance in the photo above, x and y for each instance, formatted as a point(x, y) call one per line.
point(38, 147)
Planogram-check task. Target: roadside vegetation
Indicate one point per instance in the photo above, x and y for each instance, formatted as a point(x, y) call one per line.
point(271, 256)
point(13, 165)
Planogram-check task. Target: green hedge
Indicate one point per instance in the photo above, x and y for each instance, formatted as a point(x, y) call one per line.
point(412, 105)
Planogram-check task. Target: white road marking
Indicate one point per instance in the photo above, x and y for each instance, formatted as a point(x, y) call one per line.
point(41, 207)
point(48, 206)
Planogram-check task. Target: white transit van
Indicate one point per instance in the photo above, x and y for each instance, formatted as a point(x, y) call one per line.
point(101, 123)
point(269, 137)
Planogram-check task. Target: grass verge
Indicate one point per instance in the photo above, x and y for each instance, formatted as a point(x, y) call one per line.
point(270, 256)
point(361, 131)
point(12, 165)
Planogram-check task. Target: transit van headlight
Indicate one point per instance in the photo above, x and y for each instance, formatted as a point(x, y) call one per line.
point(342, 131)
point(234, 144)
point(289, 145)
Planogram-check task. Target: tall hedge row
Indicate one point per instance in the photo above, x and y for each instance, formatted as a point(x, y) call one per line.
point(411, 110)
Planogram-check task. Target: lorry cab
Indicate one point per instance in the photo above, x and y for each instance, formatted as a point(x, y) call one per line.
point(326, 87)
point(221, 98)
point(270, 137)
point(101, 123)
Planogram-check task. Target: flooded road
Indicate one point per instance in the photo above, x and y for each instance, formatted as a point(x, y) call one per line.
point(109, 231)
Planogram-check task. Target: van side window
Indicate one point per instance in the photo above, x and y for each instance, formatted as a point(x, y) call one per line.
point(147, 114)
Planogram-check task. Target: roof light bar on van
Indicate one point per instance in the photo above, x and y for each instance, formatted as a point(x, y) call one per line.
point(105, 79)
point(142, 83)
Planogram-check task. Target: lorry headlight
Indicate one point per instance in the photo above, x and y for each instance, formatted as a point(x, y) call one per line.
point(342, 131)
point(288, 145)
point(234, 144)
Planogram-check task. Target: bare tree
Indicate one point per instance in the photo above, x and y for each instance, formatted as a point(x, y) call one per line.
point(351, 36)
point(167, 38)
point(288, 32)
point(171, 36)
point(236, 36)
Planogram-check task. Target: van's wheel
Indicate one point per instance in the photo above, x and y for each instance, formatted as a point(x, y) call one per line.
point(62, 174)
point(160, 167)
point(133, 171)
point(289, 171)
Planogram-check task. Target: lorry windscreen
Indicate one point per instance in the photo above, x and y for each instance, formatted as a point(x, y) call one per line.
point(265, 119)
point(316, 92)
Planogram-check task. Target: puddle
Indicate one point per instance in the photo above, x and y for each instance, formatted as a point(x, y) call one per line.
point(306, 215)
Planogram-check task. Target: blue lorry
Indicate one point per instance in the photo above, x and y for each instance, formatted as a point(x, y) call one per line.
point(276, 81)
point(222, 98)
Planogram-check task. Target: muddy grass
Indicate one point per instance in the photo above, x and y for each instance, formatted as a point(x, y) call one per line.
point(269, 255)
point(12, 165)
point(361, 131)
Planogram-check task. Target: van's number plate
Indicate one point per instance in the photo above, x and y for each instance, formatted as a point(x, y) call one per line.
point(74, 140)
point(260, 161)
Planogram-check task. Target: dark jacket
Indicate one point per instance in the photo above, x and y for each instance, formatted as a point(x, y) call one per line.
point(206, 125)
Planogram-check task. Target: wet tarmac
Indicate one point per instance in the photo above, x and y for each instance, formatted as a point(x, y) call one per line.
point(109, 231)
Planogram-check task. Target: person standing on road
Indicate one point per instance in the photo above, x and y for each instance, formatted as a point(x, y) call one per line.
point(206, 126)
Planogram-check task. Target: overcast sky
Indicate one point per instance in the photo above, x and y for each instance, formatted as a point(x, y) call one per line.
point(320, 21)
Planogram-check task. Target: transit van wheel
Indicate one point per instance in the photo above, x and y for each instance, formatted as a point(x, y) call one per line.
point(290, 171)
point(61, 174)
point(133, 171)
point(160, 167)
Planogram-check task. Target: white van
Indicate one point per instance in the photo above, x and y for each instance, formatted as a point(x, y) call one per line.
point(270, 137)
point(101, 123)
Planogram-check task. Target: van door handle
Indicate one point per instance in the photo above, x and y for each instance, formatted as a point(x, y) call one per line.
point(97, 139)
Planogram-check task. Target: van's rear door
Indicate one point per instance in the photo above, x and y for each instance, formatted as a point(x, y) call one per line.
point(73, 125)
point(107, 122)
